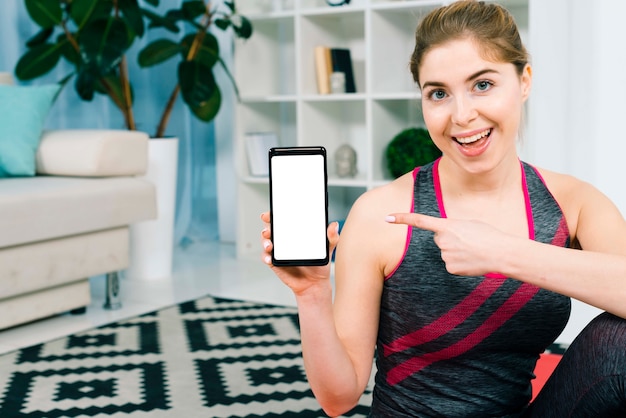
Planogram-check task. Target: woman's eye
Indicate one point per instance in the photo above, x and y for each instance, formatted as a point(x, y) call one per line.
point(483, 85)
point(437, 95)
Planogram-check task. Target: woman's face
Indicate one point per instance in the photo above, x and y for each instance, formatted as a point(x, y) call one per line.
point(472, 106)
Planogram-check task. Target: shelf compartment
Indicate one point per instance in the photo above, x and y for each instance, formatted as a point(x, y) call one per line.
point(332, 124)
point(277, 117)
point(333, 30)
point(395, 28)
point(389, 118)
point(266, 63)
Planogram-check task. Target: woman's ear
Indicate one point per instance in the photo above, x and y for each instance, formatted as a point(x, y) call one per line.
point(526, 81)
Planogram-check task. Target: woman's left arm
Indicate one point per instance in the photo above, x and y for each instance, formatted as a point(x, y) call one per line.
point(597, 274)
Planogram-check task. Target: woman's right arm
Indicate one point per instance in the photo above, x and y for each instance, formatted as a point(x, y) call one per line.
point(338, 339)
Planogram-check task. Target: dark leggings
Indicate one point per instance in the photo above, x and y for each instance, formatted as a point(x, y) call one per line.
point(590, 380)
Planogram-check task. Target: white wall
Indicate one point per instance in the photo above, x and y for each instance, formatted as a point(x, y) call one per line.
point(578, 110)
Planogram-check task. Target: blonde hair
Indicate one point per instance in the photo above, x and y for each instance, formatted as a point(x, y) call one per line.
point(490, 25)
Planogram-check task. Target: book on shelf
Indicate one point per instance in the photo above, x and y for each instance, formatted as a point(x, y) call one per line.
point(258, 145)
point(342, 63)
point(329, 60)
point(323, 68)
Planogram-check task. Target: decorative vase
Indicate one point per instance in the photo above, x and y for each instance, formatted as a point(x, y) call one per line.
point(152, 242)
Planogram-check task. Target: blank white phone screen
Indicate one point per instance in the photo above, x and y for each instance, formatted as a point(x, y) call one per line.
point(298, 207)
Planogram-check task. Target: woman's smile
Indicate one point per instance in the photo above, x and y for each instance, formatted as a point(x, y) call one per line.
point(473, 145)
point(470, 139)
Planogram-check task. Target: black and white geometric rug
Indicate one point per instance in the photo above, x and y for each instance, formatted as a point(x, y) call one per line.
point(207, 358)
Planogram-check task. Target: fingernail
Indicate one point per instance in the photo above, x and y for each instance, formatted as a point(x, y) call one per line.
point(268, 259)
point(390, 218)
point(266, 244)
point(337, 227)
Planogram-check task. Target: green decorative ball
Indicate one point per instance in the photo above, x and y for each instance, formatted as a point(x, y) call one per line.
point(409, 149)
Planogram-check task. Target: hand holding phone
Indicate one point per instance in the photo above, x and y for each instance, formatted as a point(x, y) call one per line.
point(299, 206)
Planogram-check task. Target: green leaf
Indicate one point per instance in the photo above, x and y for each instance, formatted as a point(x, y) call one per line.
point(207, 54)
point(37, 61)
point(67, 49)
point(157, 52)
point(199, 89)
point(157, 21)
point(103, 43)
point(175, 15)
point(209, 51)
point(45, 13)
point(81, 11)
point(223, 24)
point(132, 15)
point(154, 3)
point(41, 37)
point(85, 84)
point(244, 30)
point(193, 9)
point(208, 110)
point(231, 5)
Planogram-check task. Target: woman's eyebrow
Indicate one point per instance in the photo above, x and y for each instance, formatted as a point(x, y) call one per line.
point(470, 78)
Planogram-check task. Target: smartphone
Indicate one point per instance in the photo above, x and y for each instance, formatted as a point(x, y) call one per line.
point(299, 206)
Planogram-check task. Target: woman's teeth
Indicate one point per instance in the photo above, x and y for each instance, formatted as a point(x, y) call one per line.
point(473, 138)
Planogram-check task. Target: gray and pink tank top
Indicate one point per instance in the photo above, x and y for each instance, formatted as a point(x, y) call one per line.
point(458, 346)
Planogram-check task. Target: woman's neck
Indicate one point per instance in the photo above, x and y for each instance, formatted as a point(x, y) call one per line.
point(494, 180)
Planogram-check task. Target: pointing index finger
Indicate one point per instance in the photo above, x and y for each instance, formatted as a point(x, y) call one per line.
point(418, 220)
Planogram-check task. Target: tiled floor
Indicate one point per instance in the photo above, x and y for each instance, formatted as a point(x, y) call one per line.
point(201, 269)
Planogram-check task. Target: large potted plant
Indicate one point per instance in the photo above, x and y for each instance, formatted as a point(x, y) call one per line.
point(94, 37)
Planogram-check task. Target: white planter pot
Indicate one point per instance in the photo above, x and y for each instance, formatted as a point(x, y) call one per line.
point(152, 242)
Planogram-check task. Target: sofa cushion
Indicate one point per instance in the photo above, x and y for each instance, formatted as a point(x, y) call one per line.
point(92, 152)
point(40, 208)
point(23, 112)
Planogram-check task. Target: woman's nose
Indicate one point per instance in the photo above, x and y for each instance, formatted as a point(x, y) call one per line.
point(464, 111)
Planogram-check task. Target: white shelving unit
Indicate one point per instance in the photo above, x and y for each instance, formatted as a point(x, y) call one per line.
point(275, 72)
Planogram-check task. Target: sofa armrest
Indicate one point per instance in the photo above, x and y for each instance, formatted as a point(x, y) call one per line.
point(92, 153)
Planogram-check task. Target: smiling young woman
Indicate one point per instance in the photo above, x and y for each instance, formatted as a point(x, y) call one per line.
point(460, 273)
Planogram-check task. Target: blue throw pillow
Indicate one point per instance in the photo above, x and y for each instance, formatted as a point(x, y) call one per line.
point(23, 111)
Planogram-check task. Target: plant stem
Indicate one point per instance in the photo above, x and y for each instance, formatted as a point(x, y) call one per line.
point(193, 51)
point(128, 105)
point(165, 117)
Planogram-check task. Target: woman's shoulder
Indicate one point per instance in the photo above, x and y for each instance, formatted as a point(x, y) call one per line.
point(394, 196)
point(366, 234)
point(565, 186)
point(576, 197)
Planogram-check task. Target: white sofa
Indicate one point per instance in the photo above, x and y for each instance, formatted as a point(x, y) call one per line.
point(71, 221)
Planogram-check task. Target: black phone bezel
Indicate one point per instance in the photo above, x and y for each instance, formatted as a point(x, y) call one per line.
point(302, 150)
